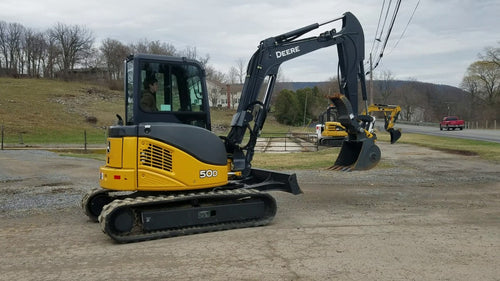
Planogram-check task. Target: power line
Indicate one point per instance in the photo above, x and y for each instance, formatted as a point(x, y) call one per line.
point(396, 9)
point(404, 31)
point(378, 25)
point(378, 36)
point(389, 31)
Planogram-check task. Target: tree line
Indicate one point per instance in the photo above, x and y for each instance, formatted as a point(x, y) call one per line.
point(57, 51)
point(28, 52)
point(477, 99)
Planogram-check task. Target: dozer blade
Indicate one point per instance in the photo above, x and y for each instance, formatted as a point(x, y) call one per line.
point(357, 155)
point(395, 135)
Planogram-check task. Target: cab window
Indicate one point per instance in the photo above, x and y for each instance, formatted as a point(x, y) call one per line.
point(170, 88)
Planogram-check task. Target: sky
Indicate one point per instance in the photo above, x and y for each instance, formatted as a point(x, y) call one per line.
point(442, 39)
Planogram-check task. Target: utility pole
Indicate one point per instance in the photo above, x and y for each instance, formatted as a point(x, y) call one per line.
point(228, 95)
point(371, 80)
point(305, 110)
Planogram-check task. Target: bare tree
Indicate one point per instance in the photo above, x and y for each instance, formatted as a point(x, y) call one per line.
point(74, 42)
point(493, 55)
point(485, 77)
point(160, 48)
point(240, 70)
point(114, 52)
point(51, 57)
point(385, 86)
point(407, 97)
point(11, 36)
point(3, 45)
point(215, 75)
point(232, 75)
point(34, 49)
point(192, 53)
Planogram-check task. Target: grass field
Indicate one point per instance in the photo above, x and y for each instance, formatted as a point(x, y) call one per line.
point(485, 150)
point(40, 111)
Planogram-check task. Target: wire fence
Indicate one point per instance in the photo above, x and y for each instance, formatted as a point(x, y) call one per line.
point(275, 142)
point(479, 124)
point(287, 142)
point(484, 124)
point(18, 141)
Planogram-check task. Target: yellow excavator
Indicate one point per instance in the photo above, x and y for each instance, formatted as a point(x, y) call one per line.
point(167, 174)
point(329, 131)
point(391, 115)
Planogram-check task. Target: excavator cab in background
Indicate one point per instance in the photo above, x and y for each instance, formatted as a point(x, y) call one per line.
point(166, 174)
point(391, 114)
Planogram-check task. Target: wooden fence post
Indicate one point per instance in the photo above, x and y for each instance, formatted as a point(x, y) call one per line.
point(85, 140)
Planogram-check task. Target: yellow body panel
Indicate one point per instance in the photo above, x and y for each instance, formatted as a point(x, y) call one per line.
point(114, 152)
point(118, 179)
point(334, 129)
point(147, 164)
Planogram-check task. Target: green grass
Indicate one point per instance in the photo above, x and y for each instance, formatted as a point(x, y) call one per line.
point(486, 150)
point(40, 111)
point(323, 158)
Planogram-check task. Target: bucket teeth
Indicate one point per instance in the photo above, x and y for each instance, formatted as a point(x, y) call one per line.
point(340, 168)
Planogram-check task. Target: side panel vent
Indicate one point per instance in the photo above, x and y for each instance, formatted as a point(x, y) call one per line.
point(156, 157)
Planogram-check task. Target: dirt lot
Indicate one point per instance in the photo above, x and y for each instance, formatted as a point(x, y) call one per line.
point(420, 215)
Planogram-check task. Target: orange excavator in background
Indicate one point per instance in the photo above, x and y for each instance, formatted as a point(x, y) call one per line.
point(167, 174)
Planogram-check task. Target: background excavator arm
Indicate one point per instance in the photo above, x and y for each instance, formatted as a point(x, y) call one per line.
point(265, 62)
point(391, 114)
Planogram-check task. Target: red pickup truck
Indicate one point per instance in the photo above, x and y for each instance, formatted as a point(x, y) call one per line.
point(451, 122)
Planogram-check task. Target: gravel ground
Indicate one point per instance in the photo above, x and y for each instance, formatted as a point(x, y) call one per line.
point(420, 215)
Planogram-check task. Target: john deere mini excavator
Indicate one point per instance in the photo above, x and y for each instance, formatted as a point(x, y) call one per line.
point(167, 174)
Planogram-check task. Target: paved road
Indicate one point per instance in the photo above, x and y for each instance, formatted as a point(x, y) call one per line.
point(473, 134)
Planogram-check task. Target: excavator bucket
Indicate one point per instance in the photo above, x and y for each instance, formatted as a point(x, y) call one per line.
point(395, 134)
point(357, 155)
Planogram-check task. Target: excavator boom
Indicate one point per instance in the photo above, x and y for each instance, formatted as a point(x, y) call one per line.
point(265, 62)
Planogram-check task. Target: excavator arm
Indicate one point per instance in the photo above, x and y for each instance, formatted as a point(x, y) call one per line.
point(391, 114)
point(360, 152)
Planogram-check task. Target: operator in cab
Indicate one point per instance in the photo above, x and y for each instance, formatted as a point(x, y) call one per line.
point(148, 98)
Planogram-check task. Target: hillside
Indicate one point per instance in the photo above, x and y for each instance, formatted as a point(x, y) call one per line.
point(41, 110)
point(53, 111)
point(420, 101)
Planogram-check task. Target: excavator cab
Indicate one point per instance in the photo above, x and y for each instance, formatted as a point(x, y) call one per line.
point(167, 89)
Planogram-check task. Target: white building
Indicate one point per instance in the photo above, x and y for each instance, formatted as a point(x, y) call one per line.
point(219, 94)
